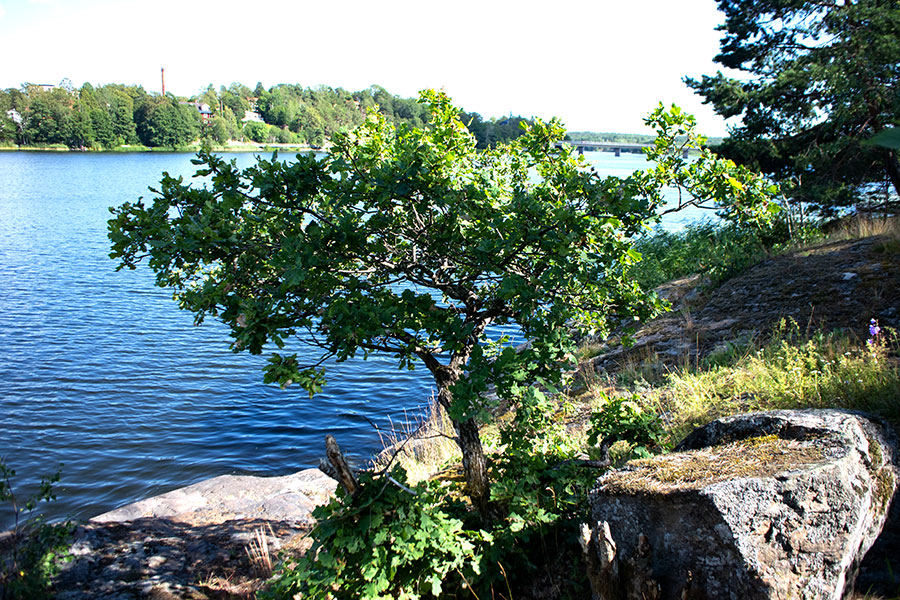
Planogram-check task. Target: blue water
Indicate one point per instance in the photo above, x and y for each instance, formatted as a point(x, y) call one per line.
point(102, 374)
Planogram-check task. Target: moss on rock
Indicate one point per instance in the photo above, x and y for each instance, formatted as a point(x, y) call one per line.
point(760, 456)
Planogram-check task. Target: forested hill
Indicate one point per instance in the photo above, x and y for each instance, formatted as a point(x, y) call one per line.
point(114, 115)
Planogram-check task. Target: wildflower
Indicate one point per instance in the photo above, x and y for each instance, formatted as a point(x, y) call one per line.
point(874, 329)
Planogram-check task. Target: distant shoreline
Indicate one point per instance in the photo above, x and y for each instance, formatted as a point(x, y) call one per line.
point(240, 147)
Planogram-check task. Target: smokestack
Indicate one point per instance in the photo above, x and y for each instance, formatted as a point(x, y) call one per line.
point(163, 76)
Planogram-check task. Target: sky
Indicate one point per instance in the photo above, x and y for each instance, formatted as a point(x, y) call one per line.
point(599, 65)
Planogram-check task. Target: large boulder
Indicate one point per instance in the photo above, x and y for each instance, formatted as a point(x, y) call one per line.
point(780, 504)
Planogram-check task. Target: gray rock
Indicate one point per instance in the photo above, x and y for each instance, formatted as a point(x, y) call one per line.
point(291, 497)
point(782, 504)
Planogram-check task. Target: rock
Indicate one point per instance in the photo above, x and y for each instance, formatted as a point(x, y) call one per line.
point(878, 574)
point(290, 498)
point(781, 504)
point(191, 543)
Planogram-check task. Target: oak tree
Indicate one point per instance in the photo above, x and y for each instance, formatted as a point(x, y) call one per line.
point(409, 241)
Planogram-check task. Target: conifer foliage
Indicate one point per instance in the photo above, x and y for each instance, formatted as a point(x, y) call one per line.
point(819, 80)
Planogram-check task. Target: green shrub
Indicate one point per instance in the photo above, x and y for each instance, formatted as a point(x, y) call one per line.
point(623, 419)
point(31, 554)
point(396, 541)
point(387, 542)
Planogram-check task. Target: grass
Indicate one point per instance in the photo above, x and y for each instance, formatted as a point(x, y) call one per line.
point(860, 227)
point(259, 554)
point(422, 447)
point(791, 370)
point(717, 251)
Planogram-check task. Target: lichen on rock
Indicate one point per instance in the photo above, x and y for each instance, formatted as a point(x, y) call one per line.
point(761, 456)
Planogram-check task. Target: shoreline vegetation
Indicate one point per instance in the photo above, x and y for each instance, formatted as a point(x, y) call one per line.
point(191, 148)
point(838, 352)
point(128, 118)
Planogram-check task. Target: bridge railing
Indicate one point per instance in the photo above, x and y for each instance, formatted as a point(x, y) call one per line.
point(618, 147)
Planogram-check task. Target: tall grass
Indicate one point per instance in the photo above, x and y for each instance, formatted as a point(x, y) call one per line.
point(792, 370)
point(422, 447)
point(860, 227)
point(715, 250)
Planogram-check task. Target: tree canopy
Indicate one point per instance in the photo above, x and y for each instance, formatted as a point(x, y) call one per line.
point(411, 242)
point(820, 79)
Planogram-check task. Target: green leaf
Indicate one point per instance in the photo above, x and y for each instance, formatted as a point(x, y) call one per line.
point(887, 138)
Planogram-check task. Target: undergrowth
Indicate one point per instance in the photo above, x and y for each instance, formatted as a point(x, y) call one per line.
point(421, 447)
point(410, 533)
point(30, 553)
point(402, 539)
point(716, 250)
point(790, 370)
point(398, 539)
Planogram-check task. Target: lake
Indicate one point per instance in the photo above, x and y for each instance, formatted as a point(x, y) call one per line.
point(103, 377)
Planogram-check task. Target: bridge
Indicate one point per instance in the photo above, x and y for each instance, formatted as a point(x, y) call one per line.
point(617, 147)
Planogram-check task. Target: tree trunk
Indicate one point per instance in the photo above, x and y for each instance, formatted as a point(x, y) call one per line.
point(478, 486)
point(893, 168)
point(474, 466)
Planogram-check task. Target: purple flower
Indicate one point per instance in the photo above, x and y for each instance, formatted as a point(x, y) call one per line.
point(874, 329)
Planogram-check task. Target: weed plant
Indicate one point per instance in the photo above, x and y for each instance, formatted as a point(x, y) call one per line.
point(31, 552)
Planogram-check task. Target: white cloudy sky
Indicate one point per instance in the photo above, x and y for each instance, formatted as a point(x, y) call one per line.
point(600, 65)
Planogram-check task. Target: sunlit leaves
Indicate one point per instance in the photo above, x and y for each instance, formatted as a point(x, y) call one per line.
point(741, 195)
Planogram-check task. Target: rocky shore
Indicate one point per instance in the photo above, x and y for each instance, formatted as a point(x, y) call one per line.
point(196, 542)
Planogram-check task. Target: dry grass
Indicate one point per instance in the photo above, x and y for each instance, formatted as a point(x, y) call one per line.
point(421, 447)
point(754, 457)
point(861, 227)
point(258, 552)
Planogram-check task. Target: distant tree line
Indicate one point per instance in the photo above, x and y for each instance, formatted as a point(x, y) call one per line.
point(115, 115)
point(623, 138)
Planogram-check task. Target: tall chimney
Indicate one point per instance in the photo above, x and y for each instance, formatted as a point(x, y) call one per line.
point(163, 75)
